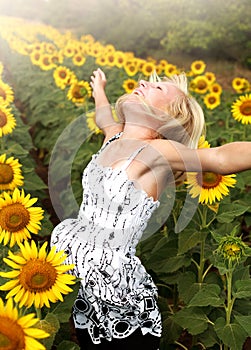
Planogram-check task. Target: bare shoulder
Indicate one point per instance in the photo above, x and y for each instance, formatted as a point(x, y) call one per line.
point(167, 147)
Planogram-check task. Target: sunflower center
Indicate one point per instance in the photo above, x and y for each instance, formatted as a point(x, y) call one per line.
point(6, 174)
point(37, 276)
point(210, 180)
point(232, 249)
point(198, 66)
point(245, 108)
point(130, 86)
point(3, 119)
point(77, 92)
point(62, 74)
point(14, 217)
point(212, 100)
point(201, 85)
point(46, 61)
point(2, 93)
point(11, 335)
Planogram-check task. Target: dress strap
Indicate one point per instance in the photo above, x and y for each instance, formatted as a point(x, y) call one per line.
point(132, 157)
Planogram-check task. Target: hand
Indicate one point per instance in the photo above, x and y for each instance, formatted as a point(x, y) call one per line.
point(98, 81)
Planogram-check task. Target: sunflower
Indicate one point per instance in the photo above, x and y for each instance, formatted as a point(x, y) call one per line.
point(78, 59)
point(90, 120)
point(241, 109)
point(7, 121)
point(203, 143)
point(79, 91)
point(210, 77)
point(240, 85)
point(148, 68)
point(69, 50)
point(46, 63)
point(216, 88)
point(57, 58)
point(170, 69)
point(10, 173)
point(163, 63)
point(87, 39)
point(6, 94)
point(35, 57)
point(17, 332)
point(198, 67)
point(111, 59)
point(95, 50)
point(37, 277)
point(18, 218)
point(232, 249)
point(101, 61)
point(120, 59)
point(129, 85)
point(200, 84)
point(131, 68)
point(208, 186)
point(212, 100)
point(63, 77)
point(49, 47)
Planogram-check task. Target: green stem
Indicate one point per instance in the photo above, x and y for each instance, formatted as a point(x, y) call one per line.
point(39, 314)
point(230, 301)
point(202, 261)
point(201, 274)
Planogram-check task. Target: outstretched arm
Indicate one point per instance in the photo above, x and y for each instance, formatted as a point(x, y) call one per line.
point(230, 158)
point(103, 116)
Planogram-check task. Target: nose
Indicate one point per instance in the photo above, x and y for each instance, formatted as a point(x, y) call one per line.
point(143, 83)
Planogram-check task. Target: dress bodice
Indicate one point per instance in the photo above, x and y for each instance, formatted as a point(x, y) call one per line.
point(117, 210)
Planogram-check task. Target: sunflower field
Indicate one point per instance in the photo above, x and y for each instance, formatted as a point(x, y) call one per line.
point(199, 254)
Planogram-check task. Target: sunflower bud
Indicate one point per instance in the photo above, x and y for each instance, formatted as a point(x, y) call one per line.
point(232, 248)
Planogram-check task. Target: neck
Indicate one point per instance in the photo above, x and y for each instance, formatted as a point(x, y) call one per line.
point(139, 132)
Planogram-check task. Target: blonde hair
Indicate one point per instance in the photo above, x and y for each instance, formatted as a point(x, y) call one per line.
point(183, 119)
point(187, 112)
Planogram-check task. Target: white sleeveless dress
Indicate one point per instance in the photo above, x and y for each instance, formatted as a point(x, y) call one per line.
point(117, 295)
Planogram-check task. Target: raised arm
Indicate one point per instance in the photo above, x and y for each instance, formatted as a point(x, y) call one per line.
point(103, 116)
point(230, 158)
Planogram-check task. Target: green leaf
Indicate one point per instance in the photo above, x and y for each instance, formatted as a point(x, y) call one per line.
point(208, 338)
point(175, 263)
point(207, 295)
point(188, 239)
point(193, 319)
point(171, 331)
point(245, 322)
point(68, 345)
point(32, 182)
point(232, 335)
point(51, 325)
point(187, 286)
point(243, 289)
point(229, 211)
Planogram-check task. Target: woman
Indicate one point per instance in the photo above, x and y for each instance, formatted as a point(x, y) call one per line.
point(152, 145)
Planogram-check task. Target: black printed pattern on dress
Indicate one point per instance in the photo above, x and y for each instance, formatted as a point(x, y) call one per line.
point(117, 295)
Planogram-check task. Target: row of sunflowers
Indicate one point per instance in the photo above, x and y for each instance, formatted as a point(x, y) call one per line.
point(202, 272)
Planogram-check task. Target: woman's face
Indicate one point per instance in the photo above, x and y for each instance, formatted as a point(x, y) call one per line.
point(158, 94)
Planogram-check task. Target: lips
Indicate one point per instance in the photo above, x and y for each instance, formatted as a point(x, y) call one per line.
point(138, 92)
